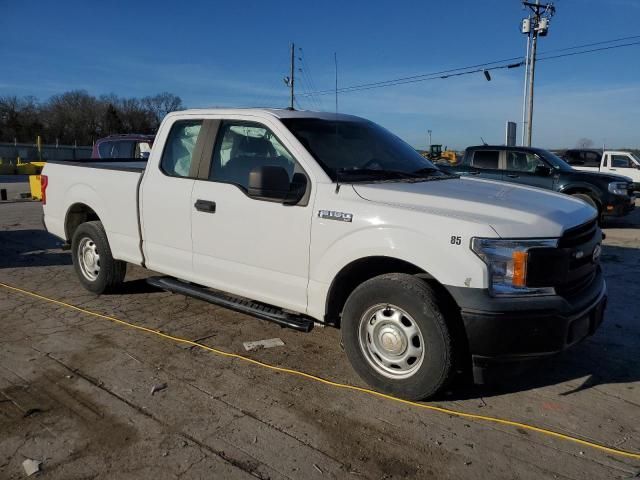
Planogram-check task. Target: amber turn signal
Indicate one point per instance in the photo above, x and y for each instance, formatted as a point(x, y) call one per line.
point(519, 269)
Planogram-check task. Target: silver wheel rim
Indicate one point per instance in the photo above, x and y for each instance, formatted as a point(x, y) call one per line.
point(391, 341)
point(89, 259)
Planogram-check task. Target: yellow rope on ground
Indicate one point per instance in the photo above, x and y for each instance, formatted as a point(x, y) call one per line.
point(471, 416)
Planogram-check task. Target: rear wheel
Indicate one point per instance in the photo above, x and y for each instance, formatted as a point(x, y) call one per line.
point(396, 337)
point(96, 268)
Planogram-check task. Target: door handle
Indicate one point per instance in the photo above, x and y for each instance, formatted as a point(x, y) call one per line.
point(205, 206)
point(474, 173)
point(513, 175)
point(613, 169)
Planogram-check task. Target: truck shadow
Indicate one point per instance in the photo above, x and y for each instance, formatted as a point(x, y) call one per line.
point(30, 248)
point(610, 356)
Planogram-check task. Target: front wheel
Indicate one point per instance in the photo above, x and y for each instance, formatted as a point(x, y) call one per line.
point(396, 337)
point(590, 201)
point(96, 268)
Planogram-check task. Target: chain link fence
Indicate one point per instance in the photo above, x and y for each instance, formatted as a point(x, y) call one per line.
point(10, 153)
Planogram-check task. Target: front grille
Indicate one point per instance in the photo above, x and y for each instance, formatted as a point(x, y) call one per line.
point(578, 244)
point(569, 267)
point(576, 285)
point(579, 235)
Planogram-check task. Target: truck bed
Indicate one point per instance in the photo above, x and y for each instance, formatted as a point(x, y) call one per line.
point(107, 187)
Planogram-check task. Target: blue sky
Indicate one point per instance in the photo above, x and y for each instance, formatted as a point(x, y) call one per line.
point(236, 53)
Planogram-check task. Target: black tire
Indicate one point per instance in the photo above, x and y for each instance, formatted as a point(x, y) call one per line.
point(399, 292)
point(589, 200)
point(108, 274)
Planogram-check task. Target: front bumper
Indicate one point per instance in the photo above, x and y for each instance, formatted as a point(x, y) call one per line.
point(502, 332)
point(619, 206)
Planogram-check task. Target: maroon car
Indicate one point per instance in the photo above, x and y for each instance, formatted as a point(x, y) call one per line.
point(131, 145)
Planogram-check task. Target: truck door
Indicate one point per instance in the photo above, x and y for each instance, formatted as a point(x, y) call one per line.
point(527, 168)
point(622, 164)
point(166, 200)
point(252, 247)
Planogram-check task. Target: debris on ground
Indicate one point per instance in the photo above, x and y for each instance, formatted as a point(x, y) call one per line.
point(158, 388)
point(259, 344)
point(31, 466)
point(31, 411)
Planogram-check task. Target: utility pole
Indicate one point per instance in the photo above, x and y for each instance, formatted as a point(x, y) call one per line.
point(429, 132)
point(335, 61)
point(526, 28)
point(535, 26)
point(292, 77)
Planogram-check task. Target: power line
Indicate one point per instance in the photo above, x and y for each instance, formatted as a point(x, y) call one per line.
point(590, 51)
point(312, 85)
point(632, 37)
point(476, 68)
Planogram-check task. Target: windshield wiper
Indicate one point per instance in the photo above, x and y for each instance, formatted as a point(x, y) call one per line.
point(434, 173)
point(380, 174)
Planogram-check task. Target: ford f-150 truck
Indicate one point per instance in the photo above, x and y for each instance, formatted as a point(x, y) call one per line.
point(302, 217)
point(610, 161)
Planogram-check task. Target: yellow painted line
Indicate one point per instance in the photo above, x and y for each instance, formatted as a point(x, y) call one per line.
point(308, 376)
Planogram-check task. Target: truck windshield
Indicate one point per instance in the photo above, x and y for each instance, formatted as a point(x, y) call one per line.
point(356, 151)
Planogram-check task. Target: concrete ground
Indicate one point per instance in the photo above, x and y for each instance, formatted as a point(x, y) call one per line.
point(75, 390)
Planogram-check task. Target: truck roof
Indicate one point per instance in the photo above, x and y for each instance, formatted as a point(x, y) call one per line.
point(505, 147)
point(274, 112)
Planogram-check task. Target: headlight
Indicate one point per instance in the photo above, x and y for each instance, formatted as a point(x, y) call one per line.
point(619, 188)
point(507, 264)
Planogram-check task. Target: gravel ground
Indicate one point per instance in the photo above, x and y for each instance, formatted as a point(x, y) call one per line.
point(75, 390)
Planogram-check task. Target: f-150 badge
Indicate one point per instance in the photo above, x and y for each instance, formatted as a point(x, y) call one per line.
point(331, 215)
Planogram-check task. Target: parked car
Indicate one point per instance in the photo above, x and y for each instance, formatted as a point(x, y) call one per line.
point(609, 161)
point(123, 146)
point(612, 195)
point(303, 217)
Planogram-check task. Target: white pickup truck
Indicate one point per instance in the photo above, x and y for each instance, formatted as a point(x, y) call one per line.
point(611, 161)
point(303, 217)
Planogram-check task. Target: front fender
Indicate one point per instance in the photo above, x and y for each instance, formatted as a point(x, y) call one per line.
point(449, 263)
point(582, 187)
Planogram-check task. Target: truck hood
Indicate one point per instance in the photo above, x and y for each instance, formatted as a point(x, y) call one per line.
point(513, 211)
point(598, 178)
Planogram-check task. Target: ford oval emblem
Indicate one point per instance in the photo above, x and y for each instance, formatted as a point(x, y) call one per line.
point(596, 253)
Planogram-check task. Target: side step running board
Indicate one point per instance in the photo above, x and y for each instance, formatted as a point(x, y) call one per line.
point(239, 304)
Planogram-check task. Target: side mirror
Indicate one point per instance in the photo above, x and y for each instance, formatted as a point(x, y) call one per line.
point(543, 171)
point(297, 189)
point(269, 183)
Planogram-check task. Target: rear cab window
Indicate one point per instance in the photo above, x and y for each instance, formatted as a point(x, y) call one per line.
point(486, 159)
point(178, 153)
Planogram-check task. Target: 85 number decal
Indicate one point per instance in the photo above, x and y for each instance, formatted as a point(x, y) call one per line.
point(455, 240)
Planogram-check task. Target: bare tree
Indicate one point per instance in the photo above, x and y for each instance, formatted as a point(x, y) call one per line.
point(584, 143)
point(77, 116)
point(161, 104)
